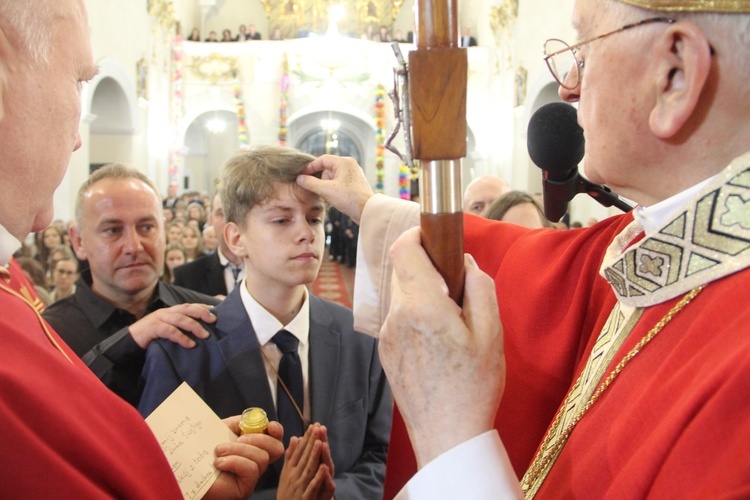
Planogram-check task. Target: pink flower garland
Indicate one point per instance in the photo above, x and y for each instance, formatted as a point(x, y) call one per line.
point(241, 125)
point(379, 137)
point(403, 181)
point(175, 153)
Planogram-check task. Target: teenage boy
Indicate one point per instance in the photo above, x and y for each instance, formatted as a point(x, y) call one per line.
point(277, 229)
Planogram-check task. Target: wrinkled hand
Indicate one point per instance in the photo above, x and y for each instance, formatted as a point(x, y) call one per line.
point(343, 184)
point(445, 363)
point(243, 462)
point(166, 324)
point(308, 468)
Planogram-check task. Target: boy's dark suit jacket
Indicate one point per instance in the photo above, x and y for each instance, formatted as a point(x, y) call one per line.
point(348, 390)
point(204, 274)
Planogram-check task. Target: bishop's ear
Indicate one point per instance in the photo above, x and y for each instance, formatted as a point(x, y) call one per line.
point(683, 67)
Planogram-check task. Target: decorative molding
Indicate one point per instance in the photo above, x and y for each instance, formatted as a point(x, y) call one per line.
point(295, 16)
point(141, 81)
point(162, 11)
point(503, 19)
point(521, 77)
point(213, 68)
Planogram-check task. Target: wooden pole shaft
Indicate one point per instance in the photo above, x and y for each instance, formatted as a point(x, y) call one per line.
point(438, 73)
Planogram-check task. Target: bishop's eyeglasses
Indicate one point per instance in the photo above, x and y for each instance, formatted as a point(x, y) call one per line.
point(565, 62)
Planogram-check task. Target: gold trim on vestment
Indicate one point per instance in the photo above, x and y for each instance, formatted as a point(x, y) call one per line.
point(707, 240)
point(43, 323)
point(561, 428)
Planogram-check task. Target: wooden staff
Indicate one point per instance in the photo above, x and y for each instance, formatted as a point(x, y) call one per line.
point(438, 72)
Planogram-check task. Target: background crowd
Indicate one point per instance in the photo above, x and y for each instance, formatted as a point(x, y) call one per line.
point(49, 261)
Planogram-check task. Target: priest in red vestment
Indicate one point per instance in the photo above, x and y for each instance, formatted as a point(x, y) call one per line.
point(625, 364)
point(63, 433)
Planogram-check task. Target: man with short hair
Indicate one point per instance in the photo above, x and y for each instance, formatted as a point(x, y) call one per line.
point(120, 305)
point(210, 240)
point(63, 434)
point(621, 366)
point(252, 34)
point(481, 192)
point(217, 273)
point(171, 200)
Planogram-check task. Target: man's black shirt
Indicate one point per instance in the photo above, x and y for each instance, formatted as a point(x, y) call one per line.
point(98, 332)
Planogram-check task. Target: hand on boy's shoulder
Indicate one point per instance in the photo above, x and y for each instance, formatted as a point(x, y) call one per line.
point(170, 323)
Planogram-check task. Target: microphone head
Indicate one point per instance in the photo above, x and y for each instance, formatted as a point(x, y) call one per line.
point(555, 140)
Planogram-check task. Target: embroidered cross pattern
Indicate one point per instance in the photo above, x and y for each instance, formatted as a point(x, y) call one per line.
point(705, 242)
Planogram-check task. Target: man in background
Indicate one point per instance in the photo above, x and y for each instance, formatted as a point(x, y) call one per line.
point(215, 274)
point(171, 200)
point(481, 192)
point(120, 305)
point(467, 40)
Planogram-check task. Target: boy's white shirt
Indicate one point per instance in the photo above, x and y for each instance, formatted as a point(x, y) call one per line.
point(266, 326)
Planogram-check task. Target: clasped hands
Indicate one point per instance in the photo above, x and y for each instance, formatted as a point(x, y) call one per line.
point(308, 467)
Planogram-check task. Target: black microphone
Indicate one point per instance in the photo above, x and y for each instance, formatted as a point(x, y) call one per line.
point(556, 145)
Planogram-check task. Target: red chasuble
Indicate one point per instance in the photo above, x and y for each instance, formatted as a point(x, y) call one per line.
point(62, 433)
point(676, 421)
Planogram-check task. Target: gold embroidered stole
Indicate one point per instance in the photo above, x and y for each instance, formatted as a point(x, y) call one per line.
point(708, 240)
point(705, 241)
point(619, 324)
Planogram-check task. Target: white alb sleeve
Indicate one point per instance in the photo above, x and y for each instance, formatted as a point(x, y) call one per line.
point(478, 469)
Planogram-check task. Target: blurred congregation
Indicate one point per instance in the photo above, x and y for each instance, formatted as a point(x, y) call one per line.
point(48, 259)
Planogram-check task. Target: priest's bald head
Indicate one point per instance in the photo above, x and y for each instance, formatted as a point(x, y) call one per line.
point(481, 192)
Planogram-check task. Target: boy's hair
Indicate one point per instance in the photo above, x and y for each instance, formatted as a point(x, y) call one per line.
point(251, 177)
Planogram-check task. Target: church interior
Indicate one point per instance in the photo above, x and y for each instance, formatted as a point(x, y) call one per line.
point(176, 109)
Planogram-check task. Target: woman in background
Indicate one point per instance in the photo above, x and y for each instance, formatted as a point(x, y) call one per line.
point(193, 243)
point(174, 255)
point(518, 208)
point(195, 35)
point(51, 237)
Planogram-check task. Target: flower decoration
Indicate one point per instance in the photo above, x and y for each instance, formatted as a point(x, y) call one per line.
point(241, 124)
point(284, 87)
point(176, 154)
point(403, 181)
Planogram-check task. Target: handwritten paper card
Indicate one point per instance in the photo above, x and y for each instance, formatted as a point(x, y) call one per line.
point(188, 431)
